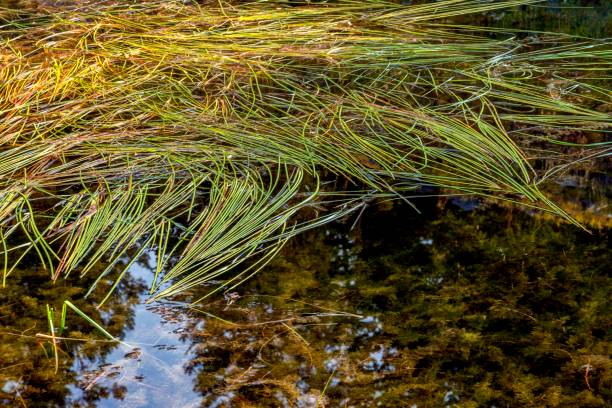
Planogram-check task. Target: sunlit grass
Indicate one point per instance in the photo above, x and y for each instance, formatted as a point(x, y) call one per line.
point(201, 132)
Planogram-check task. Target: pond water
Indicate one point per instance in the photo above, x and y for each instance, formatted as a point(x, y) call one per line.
point(466, 304)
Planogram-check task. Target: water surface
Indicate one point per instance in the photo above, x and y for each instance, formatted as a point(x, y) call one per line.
point(466, 303)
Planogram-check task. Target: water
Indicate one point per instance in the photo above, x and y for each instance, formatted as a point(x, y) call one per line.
point(466, 303)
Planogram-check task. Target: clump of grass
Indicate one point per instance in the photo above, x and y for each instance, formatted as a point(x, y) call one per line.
point(127, 125)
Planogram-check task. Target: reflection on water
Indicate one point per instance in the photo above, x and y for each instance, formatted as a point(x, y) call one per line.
point(464, 304)
point(149, 367)
point(27, 369)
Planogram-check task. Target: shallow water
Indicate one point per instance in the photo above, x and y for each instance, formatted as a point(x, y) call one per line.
point(465, 303)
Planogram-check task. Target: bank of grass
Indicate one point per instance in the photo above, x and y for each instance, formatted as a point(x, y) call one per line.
point(200, 131)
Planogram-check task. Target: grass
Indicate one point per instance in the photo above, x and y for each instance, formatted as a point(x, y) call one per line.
point(207, 133)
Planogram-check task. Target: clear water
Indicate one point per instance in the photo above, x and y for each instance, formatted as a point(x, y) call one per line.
point(466, 303)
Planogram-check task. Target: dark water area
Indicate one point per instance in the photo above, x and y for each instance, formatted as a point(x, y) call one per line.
point(466, 304)
point(462, 304)
point(587, 18)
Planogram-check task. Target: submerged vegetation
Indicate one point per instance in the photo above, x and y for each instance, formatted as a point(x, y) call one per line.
point(212, 133)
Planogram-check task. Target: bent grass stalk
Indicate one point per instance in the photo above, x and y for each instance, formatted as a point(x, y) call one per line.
point(92, 322)
point(51, 321)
